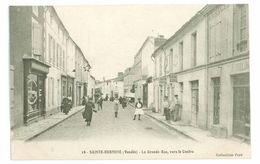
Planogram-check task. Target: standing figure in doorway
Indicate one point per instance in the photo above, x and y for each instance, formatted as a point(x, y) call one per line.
point(138, 109)
point(176, 109)
point(166, 108)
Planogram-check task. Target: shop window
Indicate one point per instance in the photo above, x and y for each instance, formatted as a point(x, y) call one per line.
point(32, 92)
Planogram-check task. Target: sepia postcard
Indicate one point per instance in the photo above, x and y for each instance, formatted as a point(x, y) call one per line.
point(96, 82)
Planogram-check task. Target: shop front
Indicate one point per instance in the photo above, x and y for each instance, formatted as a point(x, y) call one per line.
point(34, 95)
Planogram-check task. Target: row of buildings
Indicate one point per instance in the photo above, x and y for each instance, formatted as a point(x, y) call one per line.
point(46, 65)
point(205, 63)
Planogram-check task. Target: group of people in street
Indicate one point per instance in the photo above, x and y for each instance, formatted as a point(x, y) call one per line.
point(117, 101)
point(171, 110)
point(90, 107)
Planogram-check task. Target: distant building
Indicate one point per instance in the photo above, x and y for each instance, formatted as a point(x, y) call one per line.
point(112, 87)
point(143, 69)
point(91, 86)
point(129, 82)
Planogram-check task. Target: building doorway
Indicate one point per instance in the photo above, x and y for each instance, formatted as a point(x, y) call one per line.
point(216, 99)
point(241, 106)
point(145, 95)
point(194, 102)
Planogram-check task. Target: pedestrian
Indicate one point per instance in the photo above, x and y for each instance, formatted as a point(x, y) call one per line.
point(65, 106)
point(89, 108)
point(176, 109)
point(83, 101)
point(116, 106)
point(138, 109)
point(100, 102)
point(124, 102)
point(120, 100)
point(166, 108)
point(172, 104)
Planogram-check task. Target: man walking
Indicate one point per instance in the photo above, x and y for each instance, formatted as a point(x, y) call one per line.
point(87, 114)
point(100, 102)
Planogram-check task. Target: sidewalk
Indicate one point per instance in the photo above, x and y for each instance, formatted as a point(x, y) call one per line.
point(193, 133)
point(196, 134)
point(34, 129)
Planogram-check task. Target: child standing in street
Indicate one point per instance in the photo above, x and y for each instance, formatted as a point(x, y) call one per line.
point(138, 109)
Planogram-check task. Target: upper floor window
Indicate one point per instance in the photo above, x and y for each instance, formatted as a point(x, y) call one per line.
point(243, 28)
point(166, 63)
point(215, 41)
point(35, 10)
point(36, 40)
point(194, 49)
point(156, 63)
point(160, 65)
point(171, 60)
point(181, 55)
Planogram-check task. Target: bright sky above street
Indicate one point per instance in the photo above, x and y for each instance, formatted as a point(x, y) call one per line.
point(111, 35)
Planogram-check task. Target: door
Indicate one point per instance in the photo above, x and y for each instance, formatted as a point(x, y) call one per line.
point(145, 95)
point(216, 99)
point(194, 102)
point(41, 93)
point(241, 106)
point(78, 95)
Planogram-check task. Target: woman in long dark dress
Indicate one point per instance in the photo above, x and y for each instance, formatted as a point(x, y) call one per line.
point(65, 106)
point(87, 114)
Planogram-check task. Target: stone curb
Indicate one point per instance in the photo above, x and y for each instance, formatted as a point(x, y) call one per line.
point(51, 126)
point(171, 127)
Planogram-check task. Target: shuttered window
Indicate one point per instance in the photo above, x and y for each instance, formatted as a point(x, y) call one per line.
point(36, 39)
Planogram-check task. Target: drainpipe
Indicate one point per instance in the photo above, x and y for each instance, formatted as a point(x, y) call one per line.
point(207, 71)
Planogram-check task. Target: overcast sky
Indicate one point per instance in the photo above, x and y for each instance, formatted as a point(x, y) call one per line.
point(111, 35)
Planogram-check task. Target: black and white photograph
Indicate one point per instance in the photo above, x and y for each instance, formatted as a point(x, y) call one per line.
point(129, 81)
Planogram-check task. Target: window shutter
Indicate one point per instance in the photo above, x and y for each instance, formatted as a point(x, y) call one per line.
point(36, 39)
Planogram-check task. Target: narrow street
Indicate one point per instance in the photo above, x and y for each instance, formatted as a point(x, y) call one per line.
point(111, 131)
